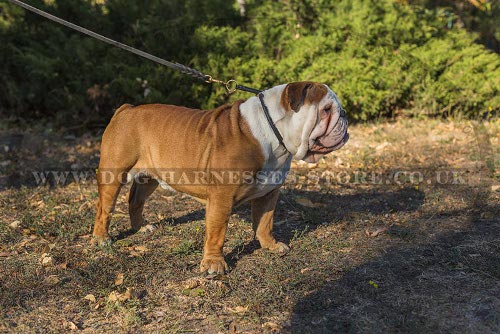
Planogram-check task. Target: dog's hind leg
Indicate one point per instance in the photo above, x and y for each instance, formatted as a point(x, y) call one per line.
point(141, 189)
point(109, 183)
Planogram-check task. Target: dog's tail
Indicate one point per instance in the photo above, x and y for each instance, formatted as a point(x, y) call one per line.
point(122, 108)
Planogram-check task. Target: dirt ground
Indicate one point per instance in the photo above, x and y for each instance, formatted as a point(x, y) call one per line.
point(398, 232)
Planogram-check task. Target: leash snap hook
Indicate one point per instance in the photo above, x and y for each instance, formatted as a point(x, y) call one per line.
point(210, 79)
point(231, 86)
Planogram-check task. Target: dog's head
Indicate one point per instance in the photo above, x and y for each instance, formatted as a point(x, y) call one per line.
point(316, 119)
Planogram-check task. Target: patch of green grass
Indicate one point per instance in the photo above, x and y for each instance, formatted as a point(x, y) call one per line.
point(186, 247)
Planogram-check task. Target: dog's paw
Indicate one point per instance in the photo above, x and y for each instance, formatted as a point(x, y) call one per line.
point(279, 247)
point(100, 241)
point(213, 265)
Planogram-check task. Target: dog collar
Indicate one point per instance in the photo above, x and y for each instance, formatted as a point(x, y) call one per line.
point(271, 123)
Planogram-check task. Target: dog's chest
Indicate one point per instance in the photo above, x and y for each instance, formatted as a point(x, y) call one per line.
point(270, 177)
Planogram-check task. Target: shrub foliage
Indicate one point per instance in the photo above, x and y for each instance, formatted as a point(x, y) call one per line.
point(379, 56)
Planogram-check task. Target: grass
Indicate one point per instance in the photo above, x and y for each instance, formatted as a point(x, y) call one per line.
point(434, 266)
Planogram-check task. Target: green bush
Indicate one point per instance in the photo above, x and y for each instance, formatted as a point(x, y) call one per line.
point(379, 56)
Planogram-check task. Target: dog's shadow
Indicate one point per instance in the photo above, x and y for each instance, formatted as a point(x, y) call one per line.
point(332, 208)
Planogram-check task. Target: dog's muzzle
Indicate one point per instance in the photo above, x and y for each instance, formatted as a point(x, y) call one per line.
point(335, 138)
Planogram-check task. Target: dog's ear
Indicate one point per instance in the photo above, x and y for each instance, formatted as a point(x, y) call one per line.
point(295, 94)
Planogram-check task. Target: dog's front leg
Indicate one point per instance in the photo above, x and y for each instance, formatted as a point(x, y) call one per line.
point(262, 216)
point(217, 215)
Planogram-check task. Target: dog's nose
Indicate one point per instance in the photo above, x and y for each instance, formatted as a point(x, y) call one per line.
point(342, 112)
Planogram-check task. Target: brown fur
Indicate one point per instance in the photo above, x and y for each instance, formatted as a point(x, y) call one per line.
point(162, 137)
point(298, 93)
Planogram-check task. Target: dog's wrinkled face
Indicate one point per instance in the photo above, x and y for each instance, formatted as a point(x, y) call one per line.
point(317, 111)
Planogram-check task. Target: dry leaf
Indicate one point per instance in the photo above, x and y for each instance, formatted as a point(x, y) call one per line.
point(46, 260)
point(114, 296)
point(377, 231)
point(238, 309)
point(272, 326)
point(15, 224)
point(307, 202)
point(382, 146)
point(280, 222)
point(90, 297)
point(51, 280)
point(119, 279)
point(84, 205)
point(63, 265)
point(159, 315)
point(72, 325)
point(191, 284)
point(121, 297)
point(147, 228)
point(141, 249)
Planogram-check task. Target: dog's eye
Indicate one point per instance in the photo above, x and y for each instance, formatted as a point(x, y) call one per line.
point(327, 110)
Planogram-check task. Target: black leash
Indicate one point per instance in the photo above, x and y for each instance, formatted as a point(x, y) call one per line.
point(230, 85)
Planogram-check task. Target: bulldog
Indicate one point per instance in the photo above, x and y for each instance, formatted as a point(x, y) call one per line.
point(222, 157)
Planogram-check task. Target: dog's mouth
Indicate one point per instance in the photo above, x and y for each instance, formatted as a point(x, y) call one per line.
point(329, 141)
point(318, 146)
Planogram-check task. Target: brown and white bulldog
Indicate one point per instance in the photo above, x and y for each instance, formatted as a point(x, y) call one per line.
point(222, 157)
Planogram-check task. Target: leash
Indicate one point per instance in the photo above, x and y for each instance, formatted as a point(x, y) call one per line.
point(230, 85)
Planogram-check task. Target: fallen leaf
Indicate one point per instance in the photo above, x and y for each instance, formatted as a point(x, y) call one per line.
point(232, 328)
point(159, 315)
point(191, 284)
point(147, 228)
point(15, 224)
point(280, 222)
point(90, 297)
point(51, 280)
point(382, 146)
point(307, 202)
point(114, 296)
point(238, 309)
point(71, 325)
point(121, 297)
point(63, 265)
point(272, 326)
point(98, 304)
point(46, 260)
point(119, 279)
point(377, 231)
point(141, 249)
